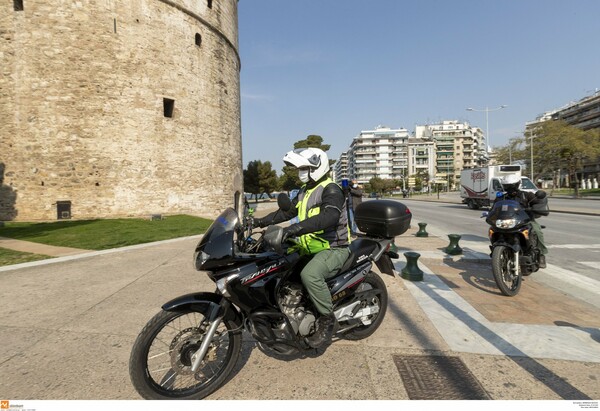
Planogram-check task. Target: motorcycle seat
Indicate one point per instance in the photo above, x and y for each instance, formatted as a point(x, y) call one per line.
point(358, 248)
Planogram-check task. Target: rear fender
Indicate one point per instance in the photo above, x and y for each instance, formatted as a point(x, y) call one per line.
point(211, 305)
point(385, 264)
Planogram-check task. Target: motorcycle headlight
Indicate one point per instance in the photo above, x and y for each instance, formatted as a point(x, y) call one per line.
point(509, 223)
point(200, 257)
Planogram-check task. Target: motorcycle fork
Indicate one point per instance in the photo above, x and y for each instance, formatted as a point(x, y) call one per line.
point(515, 271)
point(516, 264)
point(214, 319)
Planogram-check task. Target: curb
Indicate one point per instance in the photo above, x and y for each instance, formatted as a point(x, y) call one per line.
point(93, 253)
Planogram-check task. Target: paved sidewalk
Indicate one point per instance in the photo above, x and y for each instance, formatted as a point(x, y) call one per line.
point(67, 328)
point(38, 248)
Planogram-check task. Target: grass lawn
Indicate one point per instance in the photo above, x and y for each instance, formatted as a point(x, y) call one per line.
point(104, 234)
point(9, 257)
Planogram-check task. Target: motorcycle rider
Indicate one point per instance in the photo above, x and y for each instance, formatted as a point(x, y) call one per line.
point(511, 185)
point(322, 230)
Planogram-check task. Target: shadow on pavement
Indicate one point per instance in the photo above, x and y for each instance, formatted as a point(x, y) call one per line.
point(546, 376)
point(473, 275)
point(593, 332)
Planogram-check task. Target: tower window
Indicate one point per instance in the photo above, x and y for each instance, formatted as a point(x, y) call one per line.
point(168, 107)
point(210, 4)
point(18, 5)
point(198, 39)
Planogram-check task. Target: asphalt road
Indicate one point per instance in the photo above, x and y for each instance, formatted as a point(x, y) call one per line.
point(573, 241)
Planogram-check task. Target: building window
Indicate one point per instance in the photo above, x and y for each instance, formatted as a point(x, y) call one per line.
point(18, 5)
point(210, 4)
point(198, 39)
point(168, 107)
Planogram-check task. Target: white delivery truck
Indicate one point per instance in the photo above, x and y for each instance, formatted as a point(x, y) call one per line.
point(478, 186)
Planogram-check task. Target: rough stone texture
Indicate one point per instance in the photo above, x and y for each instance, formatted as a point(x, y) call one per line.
point(81, 101)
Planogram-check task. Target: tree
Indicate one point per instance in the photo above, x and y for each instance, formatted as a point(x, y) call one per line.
point(557, 145)
point(260, 178)
point(511, 152)
point(377, 184)
point(314, 141)
point(289, 179)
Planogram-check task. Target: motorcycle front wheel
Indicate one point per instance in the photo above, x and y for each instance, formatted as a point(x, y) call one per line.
point(507, 276)
point(379, 300)
point(161, 358)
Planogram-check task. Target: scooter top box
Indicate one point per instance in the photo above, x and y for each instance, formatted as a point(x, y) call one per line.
point(382, 218)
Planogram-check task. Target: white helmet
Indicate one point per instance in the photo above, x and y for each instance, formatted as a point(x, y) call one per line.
point(314, 159)
point(511, 183)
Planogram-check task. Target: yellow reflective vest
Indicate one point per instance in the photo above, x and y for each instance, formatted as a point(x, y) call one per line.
point(309, 205)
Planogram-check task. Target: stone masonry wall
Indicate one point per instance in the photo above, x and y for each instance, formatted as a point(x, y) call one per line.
point(82, 87)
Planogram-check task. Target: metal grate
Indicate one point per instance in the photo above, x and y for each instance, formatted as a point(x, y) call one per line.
point(438, 378)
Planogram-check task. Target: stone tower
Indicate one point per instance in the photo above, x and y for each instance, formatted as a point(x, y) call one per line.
point(118, 108)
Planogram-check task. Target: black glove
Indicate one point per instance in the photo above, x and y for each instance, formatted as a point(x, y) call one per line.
point(258, 222)
point(290, 231)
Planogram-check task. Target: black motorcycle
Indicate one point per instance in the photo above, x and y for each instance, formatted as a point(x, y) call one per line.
point(188, 350)
point(514, 245)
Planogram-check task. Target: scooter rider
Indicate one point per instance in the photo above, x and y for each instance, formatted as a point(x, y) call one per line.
point(322, 230)
point(511, 184)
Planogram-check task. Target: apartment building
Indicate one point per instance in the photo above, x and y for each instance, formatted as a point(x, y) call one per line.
point(340, 168)
point(458, 146)
point(438, 151)
point(421, 158)
point(382, 152)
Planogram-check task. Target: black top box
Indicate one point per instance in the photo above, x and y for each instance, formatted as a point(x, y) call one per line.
point(382, 218)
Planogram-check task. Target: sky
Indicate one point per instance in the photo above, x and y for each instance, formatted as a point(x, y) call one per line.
point(337, 67)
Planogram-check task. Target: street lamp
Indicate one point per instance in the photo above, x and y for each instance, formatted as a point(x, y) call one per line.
point(487, 122)
point(531, 137)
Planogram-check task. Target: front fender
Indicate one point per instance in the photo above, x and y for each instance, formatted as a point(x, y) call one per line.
point(515, 247)
point(205, 303)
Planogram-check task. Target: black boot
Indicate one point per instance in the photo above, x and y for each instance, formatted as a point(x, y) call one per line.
point(324, 331)
point(542, 261)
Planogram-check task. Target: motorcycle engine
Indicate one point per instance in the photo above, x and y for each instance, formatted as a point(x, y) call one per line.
point(292, 302)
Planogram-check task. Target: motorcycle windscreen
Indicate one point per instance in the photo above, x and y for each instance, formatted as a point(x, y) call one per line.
point(216, 247)
point(505, 209)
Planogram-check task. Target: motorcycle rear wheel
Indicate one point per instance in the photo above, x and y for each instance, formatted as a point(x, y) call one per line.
point(372, 282)
point(160, 362)
point(502, 268)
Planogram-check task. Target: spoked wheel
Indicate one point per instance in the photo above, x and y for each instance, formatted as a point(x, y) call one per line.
point(161, 358)
point(507, 276)
point(377, 305)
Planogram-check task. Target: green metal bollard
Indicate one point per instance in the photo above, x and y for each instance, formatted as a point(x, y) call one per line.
point(411, 271)
point(422, 232)
point(453, 248)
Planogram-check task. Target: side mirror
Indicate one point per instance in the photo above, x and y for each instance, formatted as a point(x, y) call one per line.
point(541, 194)
point(484, 214)
point(273, 237)
point(284, 202)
